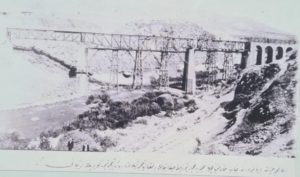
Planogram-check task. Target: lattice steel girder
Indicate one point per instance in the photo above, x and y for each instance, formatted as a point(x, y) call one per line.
point(228, 58)
point(107, 41)
point(138, 70)
point(221, 46)
point(114, 70)
point(227, 65)
point(137, 42)
point(129, 42)
point(15, 33)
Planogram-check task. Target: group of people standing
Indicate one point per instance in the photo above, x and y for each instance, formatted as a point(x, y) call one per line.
point(70, 146)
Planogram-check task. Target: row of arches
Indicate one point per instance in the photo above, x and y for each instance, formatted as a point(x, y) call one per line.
point(270, 54)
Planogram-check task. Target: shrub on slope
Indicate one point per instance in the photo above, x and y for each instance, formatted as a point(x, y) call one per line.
point(105, 113)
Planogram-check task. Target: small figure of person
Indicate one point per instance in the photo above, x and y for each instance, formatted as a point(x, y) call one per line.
point(197, 148)
point(70, 144)
point(198, 141)
point(85, 147)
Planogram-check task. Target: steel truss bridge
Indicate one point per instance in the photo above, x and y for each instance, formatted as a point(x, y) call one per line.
point(165, 45)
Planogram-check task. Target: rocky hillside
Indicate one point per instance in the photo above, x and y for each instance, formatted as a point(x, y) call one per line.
point(261, 116)
point(166, 28)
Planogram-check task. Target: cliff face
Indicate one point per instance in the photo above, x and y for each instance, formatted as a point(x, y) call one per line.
point(263, 112)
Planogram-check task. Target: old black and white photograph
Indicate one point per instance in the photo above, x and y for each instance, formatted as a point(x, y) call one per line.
point(167, 77)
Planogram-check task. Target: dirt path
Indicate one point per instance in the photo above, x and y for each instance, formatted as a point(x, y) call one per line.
point(203, 124)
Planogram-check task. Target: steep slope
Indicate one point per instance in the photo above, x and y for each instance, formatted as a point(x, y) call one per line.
point(28, 78)
point(261, 116)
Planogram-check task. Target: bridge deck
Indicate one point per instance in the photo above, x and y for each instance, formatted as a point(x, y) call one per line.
point(105, 41)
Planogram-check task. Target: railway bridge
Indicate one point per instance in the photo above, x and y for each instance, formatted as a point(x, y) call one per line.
point(252, 51)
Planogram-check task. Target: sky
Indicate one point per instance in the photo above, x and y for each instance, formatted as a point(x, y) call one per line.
point(280, 14)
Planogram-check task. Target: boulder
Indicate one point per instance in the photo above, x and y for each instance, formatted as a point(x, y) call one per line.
point(261, 112)
point(178, 103)
point(154, 108)
point(165, 101)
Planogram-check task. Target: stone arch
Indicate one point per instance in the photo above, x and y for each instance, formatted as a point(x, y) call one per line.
point(279, 54)
point(288, 52)
point(269, 52)
point(258, 55)
point(289, 49)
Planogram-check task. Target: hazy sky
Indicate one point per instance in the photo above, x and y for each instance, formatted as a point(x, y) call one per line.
point(280, 14)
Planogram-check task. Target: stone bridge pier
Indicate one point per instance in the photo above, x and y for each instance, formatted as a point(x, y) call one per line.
point(189, 75)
